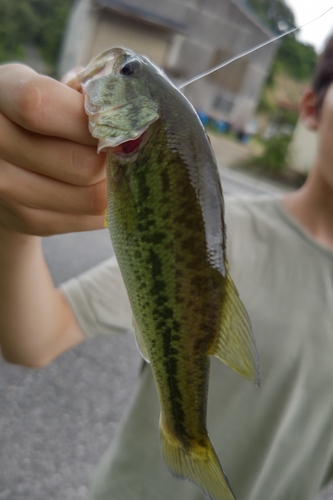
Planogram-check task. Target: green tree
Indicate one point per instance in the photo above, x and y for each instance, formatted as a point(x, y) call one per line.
point(274, 13)
point(37, 22)
point(17, 26)
point(295, 58)
point(274, 155)
point(52, 22)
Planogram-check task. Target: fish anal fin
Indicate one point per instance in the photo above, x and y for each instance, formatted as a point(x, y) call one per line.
point(235, 344)
point(139, 341)
point(198, 464)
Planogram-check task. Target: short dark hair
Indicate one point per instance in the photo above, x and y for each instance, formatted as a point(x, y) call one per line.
point(323, 75)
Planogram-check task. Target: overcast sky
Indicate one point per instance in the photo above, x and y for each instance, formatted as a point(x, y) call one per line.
point(305, 10)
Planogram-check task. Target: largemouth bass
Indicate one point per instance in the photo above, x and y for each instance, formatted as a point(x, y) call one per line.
point(165, 216)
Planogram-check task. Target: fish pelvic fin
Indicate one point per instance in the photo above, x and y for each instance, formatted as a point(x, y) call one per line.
point(198, 464)
point(235, 344)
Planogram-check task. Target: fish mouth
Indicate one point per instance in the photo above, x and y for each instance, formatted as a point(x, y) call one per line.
point(127, 148)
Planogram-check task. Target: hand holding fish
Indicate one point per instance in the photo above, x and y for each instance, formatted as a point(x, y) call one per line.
point(52, 181)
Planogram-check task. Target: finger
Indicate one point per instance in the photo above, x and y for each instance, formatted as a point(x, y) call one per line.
point(43, 105)
point(46, 223)
point(71, 79)
point(19, 186)
point(58, 158)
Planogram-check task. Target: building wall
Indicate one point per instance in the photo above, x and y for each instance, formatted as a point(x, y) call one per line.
point(99, 30)
point(115, 30)
point(186, 38)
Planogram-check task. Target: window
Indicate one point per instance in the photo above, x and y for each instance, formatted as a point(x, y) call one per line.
point(221, 103)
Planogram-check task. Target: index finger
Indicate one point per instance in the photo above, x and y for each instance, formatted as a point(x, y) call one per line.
point(43, 105)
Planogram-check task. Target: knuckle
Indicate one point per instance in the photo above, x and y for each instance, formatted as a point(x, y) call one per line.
point(97, 201)
point(85, 165)
point(25, 220)
point(6, 185)
point(30, 102)
point(28, 221)
point(3, 189)
point(31, 221)
point(38, 227)
point(77, 164)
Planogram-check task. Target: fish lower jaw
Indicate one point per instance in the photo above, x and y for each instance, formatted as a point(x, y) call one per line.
point(128, 148)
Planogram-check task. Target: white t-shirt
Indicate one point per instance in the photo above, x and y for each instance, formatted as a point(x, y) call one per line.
point(274, 442)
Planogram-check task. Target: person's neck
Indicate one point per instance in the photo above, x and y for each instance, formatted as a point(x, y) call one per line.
point(312, 207)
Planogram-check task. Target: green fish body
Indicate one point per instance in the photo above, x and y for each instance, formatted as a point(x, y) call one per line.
point(165, 216)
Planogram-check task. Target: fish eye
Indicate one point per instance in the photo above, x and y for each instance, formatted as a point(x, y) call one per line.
point(130, 68)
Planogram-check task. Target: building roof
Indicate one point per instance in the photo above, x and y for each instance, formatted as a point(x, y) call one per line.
point(156, 17)
point(142, 13)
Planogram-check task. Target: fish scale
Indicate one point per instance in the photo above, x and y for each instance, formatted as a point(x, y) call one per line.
point(165, 216)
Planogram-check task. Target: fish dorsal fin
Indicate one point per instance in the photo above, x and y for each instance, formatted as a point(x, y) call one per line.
point(235, 344)
point(139, 341)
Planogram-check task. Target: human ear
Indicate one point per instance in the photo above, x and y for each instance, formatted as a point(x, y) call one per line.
point(308, 110)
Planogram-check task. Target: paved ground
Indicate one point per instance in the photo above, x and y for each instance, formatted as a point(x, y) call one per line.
point(55, 423)
point(229, 152)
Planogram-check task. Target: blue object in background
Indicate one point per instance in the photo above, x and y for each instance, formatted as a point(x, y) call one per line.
point(203, 117)
point(243, 137)
point(222, 126)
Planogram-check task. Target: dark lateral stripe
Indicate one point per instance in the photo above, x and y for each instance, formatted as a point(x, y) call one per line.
point(162, 314)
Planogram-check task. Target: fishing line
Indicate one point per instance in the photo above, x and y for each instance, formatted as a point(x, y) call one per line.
point(247, 52)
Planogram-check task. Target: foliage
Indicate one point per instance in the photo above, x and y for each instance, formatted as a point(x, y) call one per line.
point(274, 155)
point(274, 13)
point(295, 58)
point(37, 22)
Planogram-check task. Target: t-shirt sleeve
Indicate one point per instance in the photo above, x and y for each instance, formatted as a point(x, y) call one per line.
point(99, 300)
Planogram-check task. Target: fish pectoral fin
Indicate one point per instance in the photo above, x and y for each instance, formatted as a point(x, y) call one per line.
point(235, 345)
point(139, 341)
point(199, 464)
point(106, 220)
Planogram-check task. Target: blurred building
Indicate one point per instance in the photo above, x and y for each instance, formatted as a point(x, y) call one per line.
point(185, 38)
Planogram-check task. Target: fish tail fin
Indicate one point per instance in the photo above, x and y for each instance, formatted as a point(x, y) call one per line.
point(235, 344)
point(198, 464)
